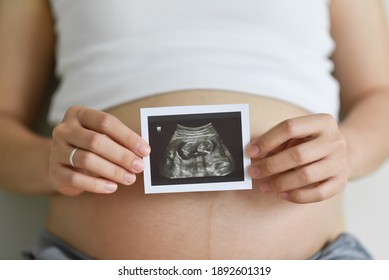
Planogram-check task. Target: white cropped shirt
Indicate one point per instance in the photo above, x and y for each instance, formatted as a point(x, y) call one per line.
point(112, 52)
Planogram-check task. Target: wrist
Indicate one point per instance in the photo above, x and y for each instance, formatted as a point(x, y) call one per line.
point(39, 176)
point(354, 153)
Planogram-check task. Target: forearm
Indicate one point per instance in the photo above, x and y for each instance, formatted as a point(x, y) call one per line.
point(366, 130)
point(24, 159)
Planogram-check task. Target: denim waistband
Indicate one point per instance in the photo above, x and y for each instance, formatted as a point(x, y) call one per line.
point(50, 247)
point(344, 247)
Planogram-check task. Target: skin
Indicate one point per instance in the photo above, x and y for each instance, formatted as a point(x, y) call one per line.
point(92, 131)
point(301, 159)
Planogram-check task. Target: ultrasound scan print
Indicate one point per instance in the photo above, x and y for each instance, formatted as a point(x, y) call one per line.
point(196, 152)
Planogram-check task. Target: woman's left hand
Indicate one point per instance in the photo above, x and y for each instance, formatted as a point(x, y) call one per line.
point(302, 159)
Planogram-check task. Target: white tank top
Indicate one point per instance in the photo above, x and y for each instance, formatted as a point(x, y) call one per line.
point(111, 52)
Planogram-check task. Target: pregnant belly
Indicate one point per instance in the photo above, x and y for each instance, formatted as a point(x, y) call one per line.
point(205, 225)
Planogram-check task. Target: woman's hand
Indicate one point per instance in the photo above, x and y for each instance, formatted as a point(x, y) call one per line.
point(108, 153)
point(302, 159)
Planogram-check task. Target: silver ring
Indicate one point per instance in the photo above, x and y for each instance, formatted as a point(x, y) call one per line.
point(72, 155)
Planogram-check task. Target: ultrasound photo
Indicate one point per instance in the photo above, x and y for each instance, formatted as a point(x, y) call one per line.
point(196, 152)
point(196, 148)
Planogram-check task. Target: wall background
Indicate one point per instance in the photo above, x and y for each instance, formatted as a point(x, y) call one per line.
point(366, 209)
point(21, 219)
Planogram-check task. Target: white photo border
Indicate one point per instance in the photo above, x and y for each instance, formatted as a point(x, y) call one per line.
point(243, 109)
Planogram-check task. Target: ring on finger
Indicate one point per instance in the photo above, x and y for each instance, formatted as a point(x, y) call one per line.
point(72, 156)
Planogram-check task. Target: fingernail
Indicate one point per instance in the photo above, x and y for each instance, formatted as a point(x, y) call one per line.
point(265, 187)
point(110, 187)
point(253, 151)
point(138, 165)
point(255, 172)
point(129, 178)
point(283, 195)
point(144, 150)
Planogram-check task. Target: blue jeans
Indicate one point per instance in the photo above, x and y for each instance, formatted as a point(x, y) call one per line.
point(50, 247)
point(344, 247)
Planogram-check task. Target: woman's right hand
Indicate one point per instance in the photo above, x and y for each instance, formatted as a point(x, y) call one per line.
point(108, 153)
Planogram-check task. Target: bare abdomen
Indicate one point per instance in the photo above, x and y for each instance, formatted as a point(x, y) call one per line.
point(206, 225)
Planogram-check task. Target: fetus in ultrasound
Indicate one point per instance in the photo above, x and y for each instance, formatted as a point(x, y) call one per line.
point(196, 152)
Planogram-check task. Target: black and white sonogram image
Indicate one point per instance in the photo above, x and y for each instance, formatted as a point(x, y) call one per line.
point(195, 148)
point(196, 152)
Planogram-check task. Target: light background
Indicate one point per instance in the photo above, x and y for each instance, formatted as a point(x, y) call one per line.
point(366, 209)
